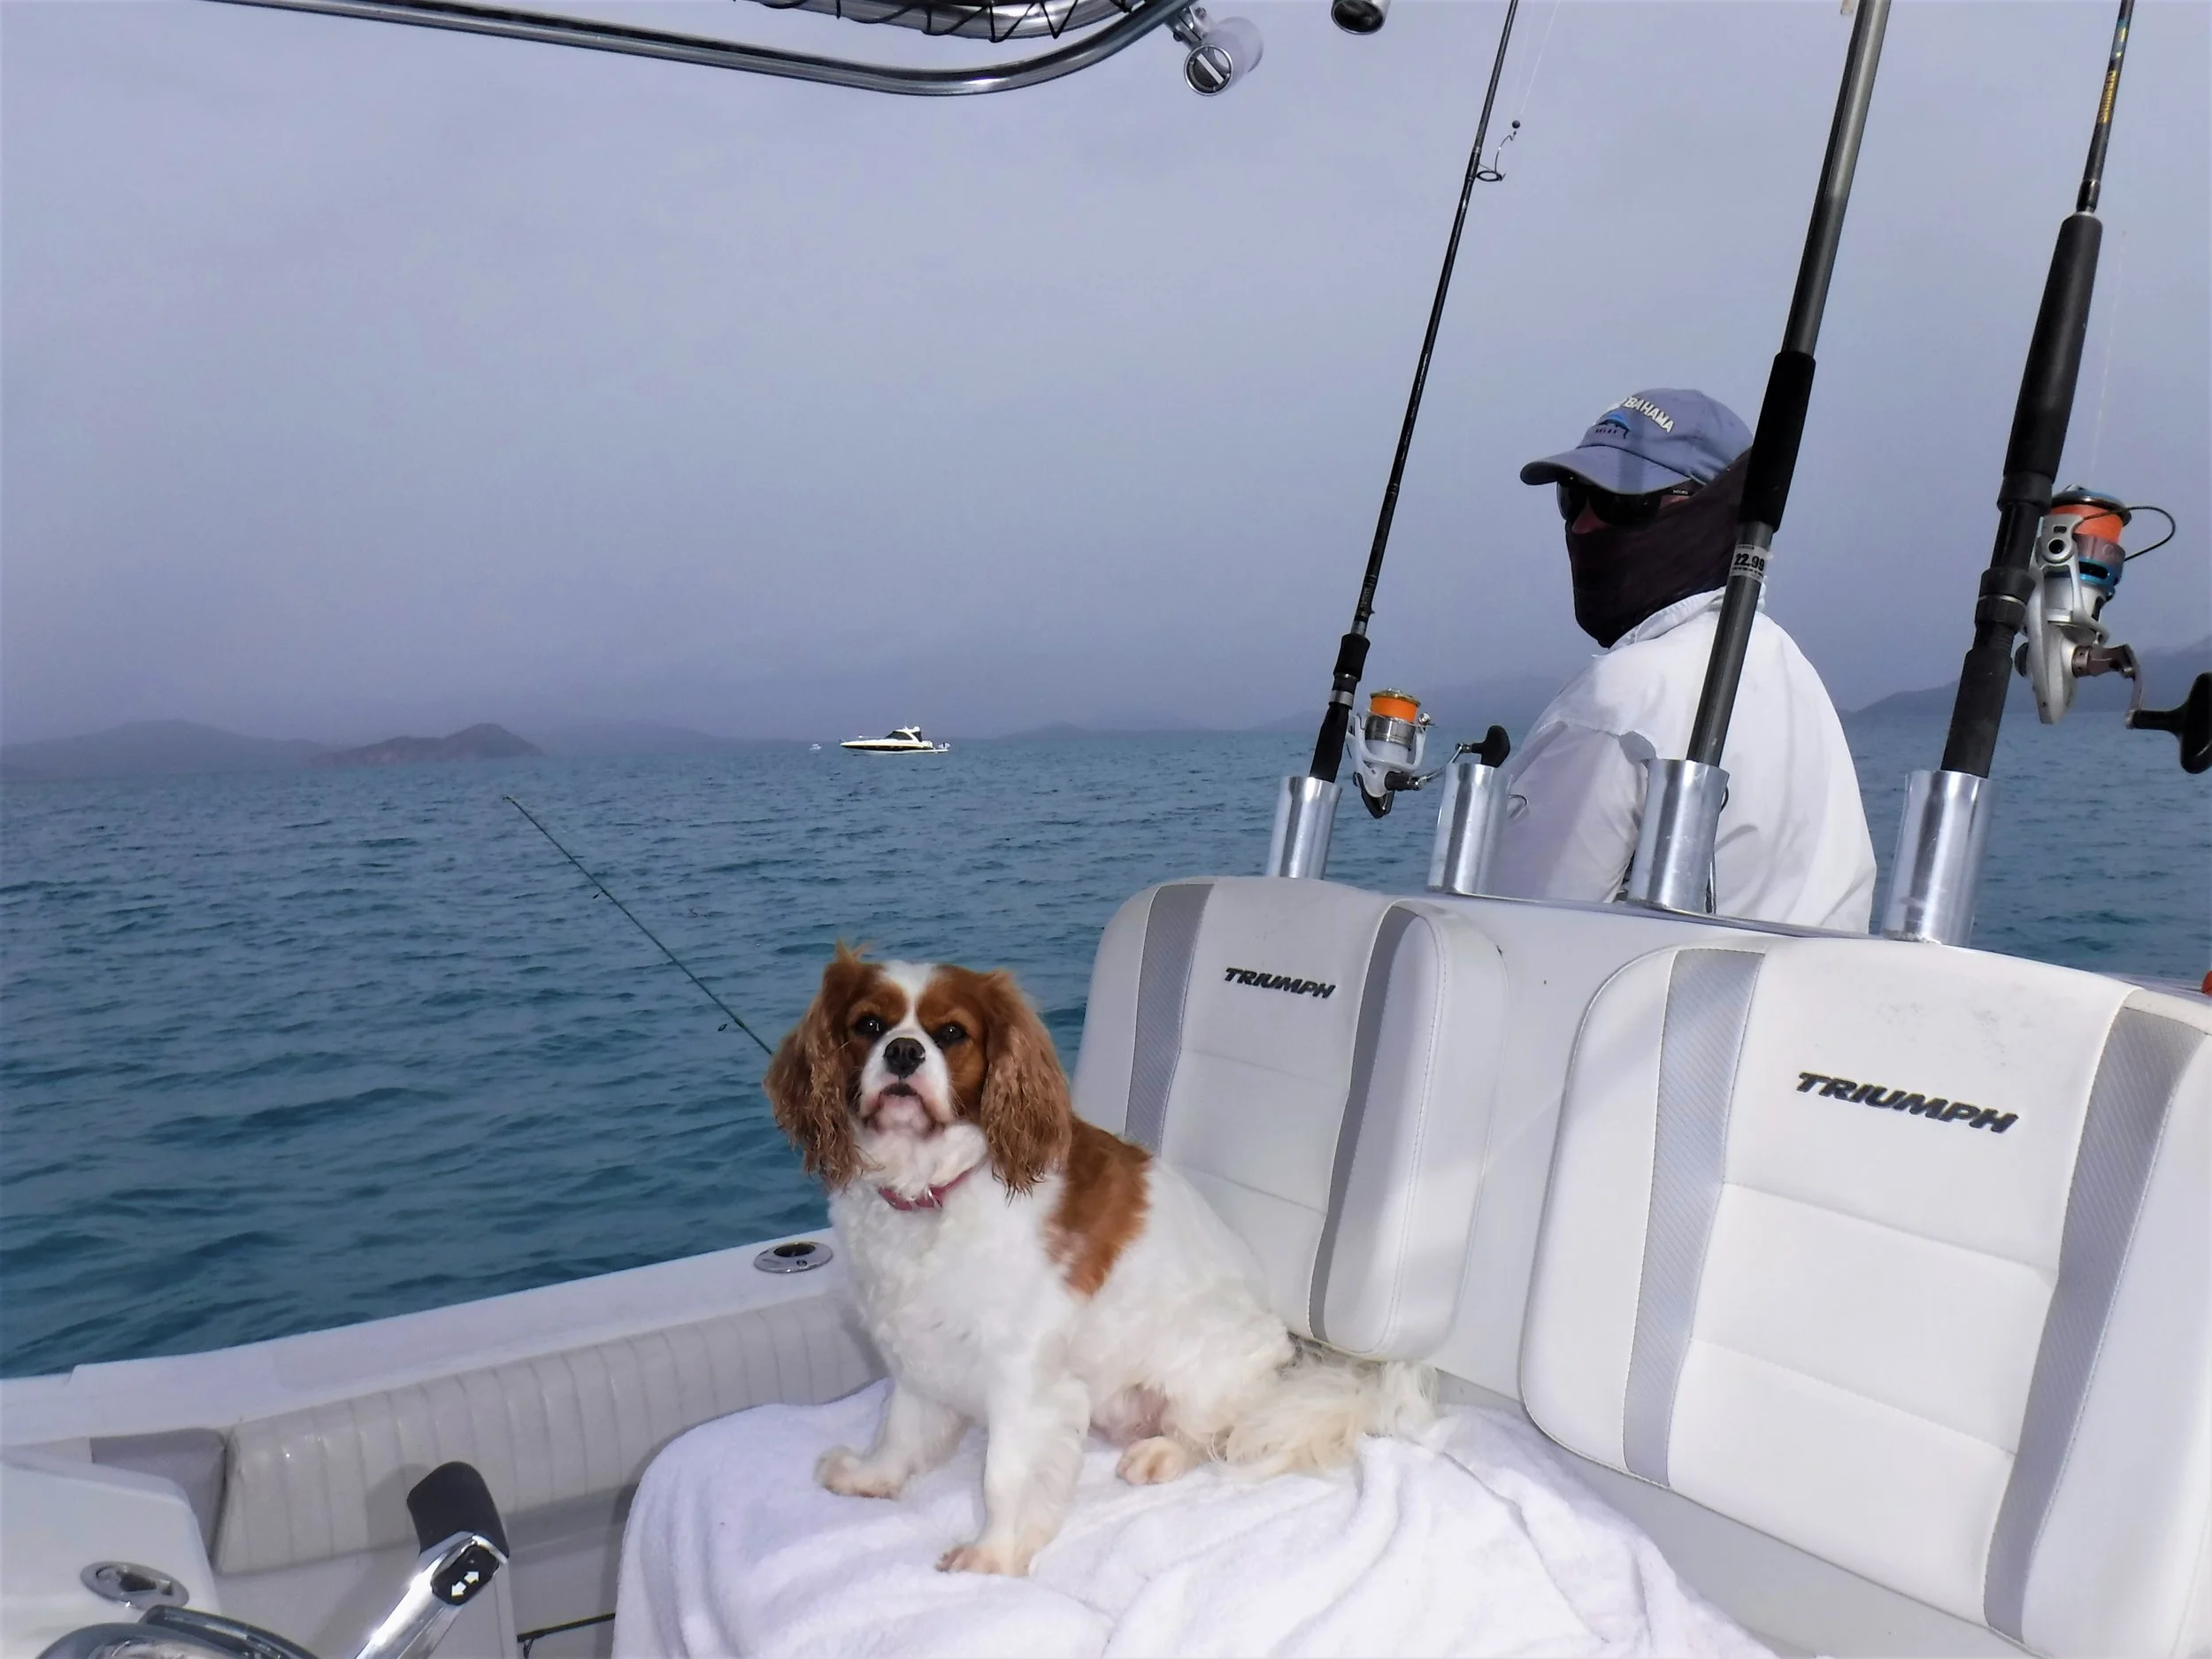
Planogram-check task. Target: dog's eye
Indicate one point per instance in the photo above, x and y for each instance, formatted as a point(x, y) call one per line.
point(947, 1035)
point(869, 1026)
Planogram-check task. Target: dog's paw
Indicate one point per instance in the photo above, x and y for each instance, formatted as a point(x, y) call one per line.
point(981, 1557)
point(1156, 1462)
point(846, 1473)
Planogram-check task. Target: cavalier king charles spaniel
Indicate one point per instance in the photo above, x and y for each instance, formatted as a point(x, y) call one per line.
point(1024, 1270)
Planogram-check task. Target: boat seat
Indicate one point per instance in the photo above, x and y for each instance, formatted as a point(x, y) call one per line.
point(1901, 1254)
point(1316, 1060)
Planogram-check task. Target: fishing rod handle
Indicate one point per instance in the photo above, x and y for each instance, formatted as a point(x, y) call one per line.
point(1724, 669)
point(1978, 708)
point(1328, 744)
point(1774, 447)
point(2054, 367)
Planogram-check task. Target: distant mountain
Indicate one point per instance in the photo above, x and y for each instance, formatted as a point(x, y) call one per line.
point(475, 742)
point(2167, 673)
point(1069, 731)
point(599, 738)
point(154, 748)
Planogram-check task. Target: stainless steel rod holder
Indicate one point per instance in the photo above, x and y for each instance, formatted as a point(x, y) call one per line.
point(1673, 869)
point(1941, 839)
point(1305, 812)
point(1468, 819)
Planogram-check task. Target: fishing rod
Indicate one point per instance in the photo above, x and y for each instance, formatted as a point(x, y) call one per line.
point(1673, 866)
point(675, 960)
point(2040, 420)
point(1315, 795)
point(2054, 563)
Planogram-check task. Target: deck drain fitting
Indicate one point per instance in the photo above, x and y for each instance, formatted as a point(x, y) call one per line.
point(133, 1586)
point(795, 1257)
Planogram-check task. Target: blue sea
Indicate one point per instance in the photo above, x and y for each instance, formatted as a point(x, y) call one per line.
point(289, 1050)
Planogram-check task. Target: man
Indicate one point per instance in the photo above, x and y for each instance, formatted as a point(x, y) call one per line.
point(1649, 500)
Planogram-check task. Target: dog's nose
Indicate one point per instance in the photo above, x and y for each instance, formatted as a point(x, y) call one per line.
point(904, 1055)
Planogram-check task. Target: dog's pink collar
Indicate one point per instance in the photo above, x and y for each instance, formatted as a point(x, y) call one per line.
point(933, 1199)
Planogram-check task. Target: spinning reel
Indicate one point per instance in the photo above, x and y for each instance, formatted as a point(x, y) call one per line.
point(2078, 563)
point(1387, 744)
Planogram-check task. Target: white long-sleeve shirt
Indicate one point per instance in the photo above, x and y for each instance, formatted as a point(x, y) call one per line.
point(1793, 845)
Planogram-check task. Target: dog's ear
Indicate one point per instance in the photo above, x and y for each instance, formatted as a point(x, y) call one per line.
point(1026, 1117)
point(810, 1080)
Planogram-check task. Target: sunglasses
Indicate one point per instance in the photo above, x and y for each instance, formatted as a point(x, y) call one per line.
point(1575, 494)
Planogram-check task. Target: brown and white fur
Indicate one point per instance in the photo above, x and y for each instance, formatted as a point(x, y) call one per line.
point(1024, 1270)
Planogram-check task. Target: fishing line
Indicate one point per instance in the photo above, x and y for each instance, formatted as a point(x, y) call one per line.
point(640, 926)
point(1537, 68)
point(1494, 173)
point(2111, 338)
point(2172, 525)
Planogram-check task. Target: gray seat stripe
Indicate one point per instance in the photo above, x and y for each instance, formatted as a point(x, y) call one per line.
point(1709, 1001)
point(1372, 994)
point(2145, 1057)
point(1171, 937)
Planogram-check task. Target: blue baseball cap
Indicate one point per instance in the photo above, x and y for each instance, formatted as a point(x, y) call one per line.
point(1650, 441)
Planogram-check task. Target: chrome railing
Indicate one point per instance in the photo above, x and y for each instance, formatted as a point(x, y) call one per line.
point(1105, 27)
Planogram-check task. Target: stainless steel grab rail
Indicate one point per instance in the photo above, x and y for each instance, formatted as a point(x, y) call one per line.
point(1139, 18)
point(978, 19)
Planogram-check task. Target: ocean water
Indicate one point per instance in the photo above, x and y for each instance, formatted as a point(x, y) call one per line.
point(283, 1051)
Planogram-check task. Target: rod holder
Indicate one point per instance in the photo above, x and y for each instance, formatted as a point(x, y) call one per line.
point(1305, 812)
point(1674, 844)
point(1938, 873)
point(1468, 819)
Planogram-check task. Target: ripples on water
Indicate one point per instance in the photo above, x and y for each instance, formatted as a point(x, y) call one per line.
point(291, 1050)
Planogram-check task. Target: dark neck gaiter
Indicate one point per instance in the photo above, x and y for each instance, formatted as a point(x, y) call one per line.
point(1623, 574)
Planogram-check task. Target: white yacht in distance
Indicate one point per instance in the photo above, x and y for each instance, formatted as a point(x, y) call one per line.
point(902, 740)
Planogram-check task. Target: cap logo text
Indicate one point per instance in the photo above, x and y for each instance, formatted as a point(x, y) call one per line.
point(1651, 410)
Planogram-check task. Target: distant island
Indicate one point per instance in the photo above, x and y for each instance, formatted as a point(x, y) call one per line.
point(153, 748)
point(2167, 672)
point(482, 741)
point(174, 748)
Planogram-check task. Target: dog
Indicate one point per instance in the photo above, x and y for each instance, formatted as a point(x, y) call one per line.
point(1026, 1271)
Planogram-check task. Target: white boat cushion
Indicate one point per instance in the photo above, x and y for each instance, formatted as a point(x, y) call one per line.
point(332, 1480)
point(1902, 1254)
point(1316, 1060)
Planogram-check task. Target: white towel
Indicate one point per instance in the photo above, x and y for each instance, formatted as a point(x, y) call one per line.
point(1472, 1541)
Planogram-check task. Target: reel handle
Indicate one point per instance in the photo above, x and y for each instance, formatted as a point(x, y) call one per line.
point(1494, 749)
point(2189, 720)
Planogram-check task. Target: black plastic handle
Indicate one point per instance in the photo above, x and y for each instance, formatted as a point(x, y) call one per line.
point(453, 1498)
point(2189, 721)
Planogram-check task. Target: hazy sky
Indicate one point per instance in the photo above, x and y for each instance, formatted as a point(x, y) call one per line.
point(361, 378)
